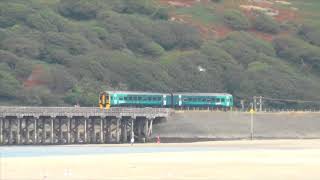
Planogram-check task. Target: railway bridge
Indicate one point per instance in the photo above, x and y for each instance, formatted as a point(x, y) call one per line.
point(76, 125)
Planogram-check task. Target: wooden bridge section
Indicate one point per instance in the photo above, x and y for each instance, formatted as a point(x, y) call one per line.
point(76, 125)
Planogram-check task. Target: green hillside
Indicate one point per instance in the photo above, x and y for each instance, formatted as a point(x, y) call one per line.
point(64, 52)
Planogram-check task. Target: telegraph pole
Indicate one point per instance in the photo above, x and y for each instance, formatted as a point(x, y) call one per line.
point(251, 122)
point(260, 104)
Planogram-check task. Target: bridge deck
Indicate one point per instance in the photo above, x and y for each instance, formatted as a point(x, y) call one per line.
point(6, 111)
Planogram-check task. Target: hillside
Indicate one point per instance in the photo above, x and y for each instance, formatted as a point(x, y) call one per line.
point(64, 52)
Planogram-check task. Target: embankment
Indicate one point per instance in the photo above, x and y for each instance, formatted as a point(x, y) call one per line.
point(192, 125)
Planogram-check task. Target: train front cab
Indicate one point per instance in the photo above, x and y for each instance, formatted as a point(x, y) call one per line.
point(104, 100)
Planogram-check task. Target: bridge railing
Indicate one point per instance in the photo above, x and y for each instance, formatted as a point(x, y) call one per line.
point(81, 111)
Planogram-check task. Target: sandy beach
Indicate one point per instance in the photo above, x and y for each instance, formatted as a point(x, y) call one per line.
point(268, 159)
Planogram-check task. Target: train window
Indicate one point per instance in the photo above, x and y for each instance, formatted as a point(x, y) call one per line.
point(130, 98)
point(111, 97)
point(120, 98)
point(154, 99)
point(139, 98)
point(203, 100)
point(149, 98)
point(159, 98)
point(218, 100)
point(222, 100)
point(125, 98)
point(134, 98)
point(185, 99)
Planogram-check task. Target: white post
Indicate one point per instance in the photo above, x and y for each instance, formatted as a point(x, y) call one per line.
point(251, 123)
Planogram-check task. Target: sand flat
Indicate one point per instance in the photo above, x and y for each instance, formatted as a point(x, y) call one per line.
point(271, 159)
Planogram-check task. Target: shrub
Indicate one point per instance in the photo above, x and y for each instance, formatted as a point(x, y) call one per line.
point(22, 46)
point(266, 24)
point(79, 9)
point(9, 85)
point(73, 43)
point(141, 7)
point(298, 51)
point(236, 20)
point(46, 20)
point(310, 33)
point(245, 48)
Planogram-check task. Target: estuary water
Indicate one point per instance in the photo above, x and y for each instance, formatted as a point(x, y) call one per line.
point(45, 151)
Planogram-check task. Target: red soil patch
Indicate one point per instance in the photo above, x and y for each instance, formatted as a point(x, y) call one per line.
point(262, 35)
point(206, 31)
point(35, 78)
point(221, 31)
point(286, 15)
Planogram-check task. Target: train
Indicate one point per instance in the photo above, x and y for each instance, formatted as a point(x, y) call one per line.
point(109, 99)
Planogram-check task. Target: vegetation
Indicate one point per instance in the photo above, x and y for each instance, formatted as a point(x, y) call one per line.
point(55, 53)
point(236, 20)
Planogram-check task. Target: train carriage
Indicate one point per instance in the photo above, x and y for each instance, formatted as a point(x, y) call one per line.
point(222, 100)
point(133, 99)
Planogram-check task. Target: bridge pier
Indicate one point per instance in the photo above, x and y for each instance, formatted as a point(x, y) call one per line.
point(1, 130)
point(118, 130)
point(51, 130)
point(69, 130)
point(123, 130)
point(27, 141)
point(18, 131)
point(35, 131)
point(138, 125)
point(10, 132)
point(146, 128)
point(85, 127)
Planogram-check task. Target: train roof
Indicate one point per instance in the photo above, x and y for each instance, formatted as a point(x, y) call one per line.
point(203, 94)
point(136, 92)
point(159, 93)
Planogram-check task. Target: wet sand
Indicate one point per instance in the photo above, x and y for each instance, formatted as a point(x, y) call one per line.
point(268, 159)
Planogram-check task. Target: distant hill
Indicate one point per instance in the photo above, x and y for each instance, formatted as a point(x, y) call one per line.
point(64, 52)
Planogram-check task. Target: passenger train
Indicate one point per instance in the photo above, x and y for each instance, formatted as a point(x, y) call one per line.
point(109, 99)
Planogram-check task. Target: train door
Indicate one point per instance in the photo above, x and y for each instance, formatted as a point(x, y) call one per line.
point(164, 100)
point(227, 101)
point(180, 100)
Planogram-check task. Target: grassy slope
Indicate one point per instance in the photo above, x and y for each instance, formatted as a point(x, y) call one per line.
point(127, 68)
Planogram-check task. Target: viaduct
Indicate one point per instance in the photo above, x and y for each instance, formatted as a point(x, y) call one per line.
point(76, 125)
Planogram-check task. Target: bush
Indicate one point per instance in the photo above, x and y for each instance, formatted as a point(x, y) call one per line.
point(217, 54)
point(39, 96)
point(310, 33)
point(22, 46)
point(9, 85)
point(168, 34)
point(115, 41)
point(141, 7)
point(73, 43)
point(46, 20)
point(245, 48)
point(298, 51)
point(79, 9)
point(266, 24)
point(15, 11)
point(236, 20)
